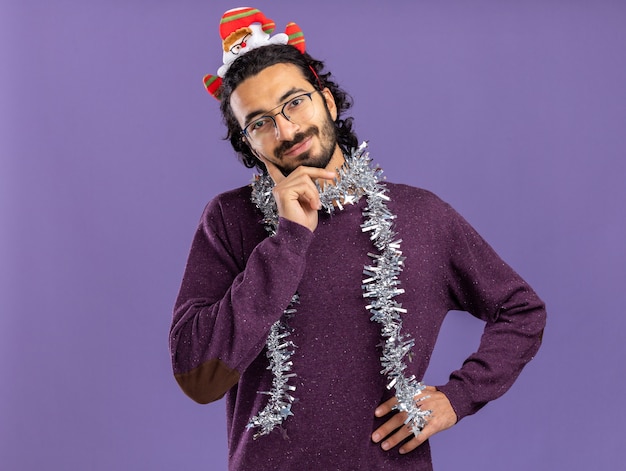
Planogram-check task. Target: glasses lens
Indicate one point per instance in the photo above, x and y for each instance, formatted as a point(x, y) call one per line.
point(298, 110)
point(259, 128)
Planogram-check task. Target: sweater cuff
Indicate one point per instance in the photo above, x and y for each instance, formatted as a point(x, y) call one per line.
point(295, 237)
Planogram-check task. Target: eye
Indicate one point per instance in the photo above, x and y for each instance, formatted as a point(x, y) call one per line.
point(297, 101)
point(259, 124)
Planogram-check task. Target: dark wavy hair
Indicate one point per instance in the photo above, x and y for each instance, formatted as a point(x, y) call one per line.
point(252, 63)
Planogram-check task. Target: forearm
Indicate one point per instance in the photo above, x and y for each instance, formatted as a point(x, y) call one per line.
point(508, 343)
point(222, 317)
point(484, 285)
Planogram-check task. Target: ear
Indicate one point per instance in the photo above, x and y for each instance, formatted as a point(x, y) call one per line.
point(330, 103)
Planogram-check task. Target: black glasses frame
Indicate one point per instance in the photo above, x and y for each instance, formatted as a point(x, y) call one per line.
point(244, 131)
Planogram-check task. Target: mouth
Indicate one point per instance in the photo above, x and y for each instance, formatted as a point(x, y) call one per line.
point(299, 148)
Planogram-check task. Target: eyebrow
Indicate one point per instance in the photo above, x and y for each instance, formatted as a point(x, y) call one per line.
point(281, 99)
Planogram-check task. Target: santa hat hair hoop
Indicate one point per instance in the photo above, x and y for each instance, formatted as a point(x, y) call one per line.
point(244, 29)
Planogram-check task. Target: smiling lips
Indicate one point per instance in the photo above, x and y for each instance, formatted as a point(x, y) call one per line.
point(299, 148)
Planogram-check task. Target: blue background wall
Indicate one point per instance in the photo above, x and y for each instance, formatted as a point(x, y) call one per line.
point(514, 112)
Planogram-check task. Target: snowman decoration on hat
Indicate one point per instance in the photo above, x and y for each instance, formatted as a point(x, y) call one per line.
point(244, 29)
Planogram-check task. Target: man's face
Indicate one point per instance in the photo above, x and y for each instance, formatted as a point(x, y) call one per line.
point(311, 143)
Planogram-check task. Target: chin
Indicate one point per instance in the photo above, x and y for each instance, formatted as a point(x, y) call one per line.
point(319, 161)
point(307, 160)
point(326, 146)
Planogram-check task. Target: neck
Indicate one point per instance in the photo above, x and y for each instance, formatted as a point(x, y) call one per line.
point(337, 161)
point(355, 178)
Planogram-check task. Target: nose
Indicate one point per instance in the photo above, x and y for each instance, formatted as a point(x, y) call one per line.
point(285, 129)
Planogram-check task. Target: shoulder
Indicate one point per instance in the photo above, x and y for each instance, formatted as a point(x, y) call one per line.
point(422, 212)
point(236, 198)
point(231, 205)
point(402, 189)
point(413, 199)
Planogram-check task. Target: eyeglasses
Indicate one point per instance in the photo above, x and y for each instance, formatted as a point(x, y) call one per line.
point(237, 47)
point(297, 110)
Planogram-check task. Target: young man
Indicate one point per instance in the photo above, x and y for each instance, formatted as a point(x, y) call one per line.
point(296, 287)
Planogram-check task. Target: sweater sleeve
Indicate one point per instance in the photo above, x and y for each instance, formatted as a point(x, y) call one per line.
point(228, 300)
point(481, 283)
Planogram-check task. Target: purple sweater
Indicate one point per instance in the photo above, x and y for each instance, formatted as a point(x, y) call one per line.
point(238, 281)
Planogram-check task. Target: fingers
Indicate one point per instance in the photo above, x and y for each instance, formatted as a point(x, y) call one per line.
point(385, 407)
point(298, 186)
point(394, 432)
point(300, 190)
point(297, 197)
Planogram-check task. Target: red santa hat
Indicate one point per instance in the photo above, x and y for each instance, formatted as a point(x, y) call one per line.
point(241, 18)
point(237, 18)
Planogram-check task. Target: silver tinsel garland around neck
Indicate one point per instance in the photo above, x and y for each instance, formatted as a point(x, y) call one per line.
point(356, 178)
